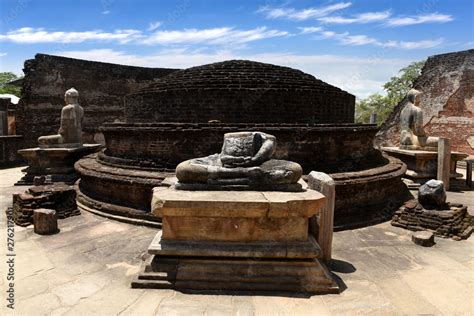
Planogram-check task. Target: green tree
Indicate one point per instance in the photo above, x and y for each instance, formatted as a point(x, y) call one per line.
point(396, 90)
point(10, 89)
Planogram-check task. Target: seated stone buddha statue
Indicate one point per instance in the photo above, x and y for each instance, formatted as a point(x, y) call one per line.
point(412, 133)
point(70, 130)
point(244, 164)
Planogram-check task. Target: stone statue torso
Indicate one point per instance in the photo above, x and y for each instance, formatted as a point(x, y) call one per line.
point(71, 123)
point(245, 145)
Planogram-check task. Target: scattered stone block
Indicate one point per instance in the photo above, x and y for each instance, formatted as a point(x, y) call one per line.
point(59, 197)
point(423, 238)
point(45, 221)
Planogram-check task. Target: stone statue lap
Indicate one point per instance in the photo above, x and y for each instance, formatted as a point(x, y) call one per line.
point(412, 134)
point(244, 164)
point(70, 131)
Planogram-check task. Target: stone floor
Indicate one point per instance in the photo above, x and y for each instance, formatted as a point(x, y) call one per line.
point(86, 269)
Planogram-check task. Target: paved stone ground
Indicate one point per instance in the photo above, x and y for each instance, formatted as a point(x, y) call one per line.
point(87, 268)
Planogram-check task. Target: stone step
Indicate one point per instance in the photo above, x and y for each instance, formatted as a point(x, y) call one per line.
point(227, 274)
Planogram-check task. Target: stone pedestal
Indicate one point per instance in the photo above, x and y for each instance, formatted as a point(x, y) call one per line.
point(423, 165)
point(230, 241)
point(57, 164)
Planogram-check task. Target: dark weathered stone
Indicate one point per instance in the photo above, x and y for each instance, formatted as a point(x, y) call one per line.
point(245, 163)
point(423, 238)
point(45, 221)
point(432, 195)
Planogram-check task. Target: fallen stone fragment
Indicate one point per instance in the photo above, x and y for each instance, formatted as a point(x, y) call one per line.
point(423, 238)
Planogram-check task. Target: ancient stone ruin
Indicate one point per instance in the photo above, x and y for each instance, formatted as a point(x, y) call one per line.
point(431, 212)
point(185, 115)
point(447, 102)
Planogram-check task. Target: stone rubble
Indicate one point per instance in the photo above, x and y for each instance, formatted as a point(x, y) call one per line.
point(59, 197)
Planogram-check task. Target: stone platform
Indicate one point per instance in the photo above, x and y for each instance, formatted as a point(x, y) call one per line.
point(230, 241)
point(421, 164)
point(57, 164)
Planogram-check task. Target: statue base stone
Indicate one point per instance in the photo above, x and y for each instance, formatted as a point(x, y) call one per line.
point(454, 221)
point(422, 165)
point(236, 241)
point(56, 164)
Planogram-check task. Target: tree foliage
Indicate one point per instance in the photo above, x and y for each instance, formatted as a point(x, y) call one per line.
point(396, 90)
point(6, 77)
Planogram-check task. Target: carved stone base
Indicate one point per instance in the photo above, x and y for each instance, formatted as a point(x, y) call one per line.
point(229, 267)
point(57, 164)
point(236, 241)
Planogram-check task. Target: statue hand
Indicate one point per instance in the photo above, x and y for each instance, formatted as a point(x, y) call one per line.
point(230, 161)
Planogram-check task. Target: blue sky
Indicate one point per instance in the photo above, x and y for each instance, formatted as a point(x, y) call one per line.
point(356, 45)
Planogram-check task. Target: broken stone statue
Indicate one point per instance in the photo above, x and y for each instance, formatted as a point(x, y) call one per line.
point(413, 135)
point(245, 163)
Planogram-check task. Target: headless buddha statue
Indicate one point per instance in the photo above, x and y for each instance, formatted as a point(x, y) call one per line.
point(70, 130)
point(244, 163)
point(412, 134)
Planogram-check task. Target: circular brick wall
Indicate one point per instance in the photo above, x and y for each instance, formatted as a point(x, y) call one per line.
point(239, 91)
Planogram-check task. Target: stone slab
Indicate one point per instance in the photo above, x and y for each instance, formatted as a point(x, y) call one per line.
point(422, 164)
point(56, 164)
point(245, 229)
point(294, 249)
point(172, 202)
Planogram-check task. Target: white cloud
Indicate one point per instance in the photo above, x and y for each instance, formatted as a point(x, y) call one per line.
point(105, 12)
point(421, 44)
point(3, 54)
point(362, 18)
point(360, 76)
point(358, 40)
point(30, 35)
point(154, 25)
point(420, 19)
point(215, 36)
point(301, 15)
point(309, 29)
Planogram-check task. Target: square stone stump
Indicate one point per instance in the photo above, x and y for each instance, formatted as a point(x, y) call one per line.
point(236, 241)
point(422, 165)
point(57, 164)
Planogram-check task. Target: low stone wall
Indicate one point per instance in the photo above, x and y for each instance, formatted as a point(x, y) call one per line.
point(59, 197)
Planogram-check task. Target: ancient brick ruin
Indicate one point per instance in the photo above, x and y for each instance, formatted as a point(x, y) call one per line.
point(447, 83)
point(102, 87)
